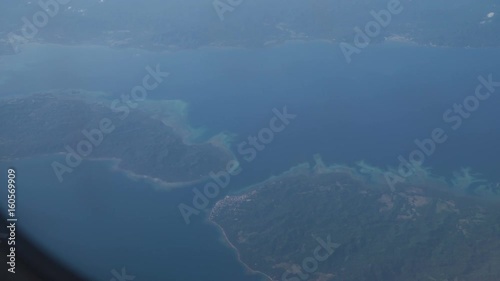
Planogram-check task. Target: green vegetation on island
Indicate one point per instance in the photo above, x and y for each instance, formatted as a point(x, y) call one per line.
point(152, 140)
point(421, 230)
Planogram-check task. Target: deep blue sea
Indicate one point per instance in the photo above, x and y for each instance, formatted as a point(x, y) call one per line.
point(100, 220)
point(372, 110)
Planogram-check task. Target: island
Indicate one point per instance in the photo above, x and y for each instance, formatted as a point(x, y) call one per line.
point(150, 139)
point(319, 223)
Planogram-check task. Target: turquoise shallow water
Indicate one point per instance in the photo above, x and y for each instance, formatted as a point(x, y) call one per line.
point(371, 109)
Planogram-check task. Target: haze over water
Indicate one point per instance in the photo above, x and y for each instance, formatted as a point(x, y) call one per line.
point(372, 109)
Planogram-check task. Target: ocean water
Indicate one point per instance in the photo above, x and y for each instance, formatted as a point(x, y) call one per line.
point(372, 109)
point(99, 219)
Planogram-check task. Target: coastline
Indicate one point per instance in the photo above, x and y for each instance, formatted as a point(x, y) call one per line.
point(230, 245)
point(157, 183)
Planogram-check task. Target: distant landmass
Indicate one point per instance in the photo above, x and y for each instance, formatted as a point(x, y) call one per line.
point(173, 25)
point(423, 229)
point(151, 140)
